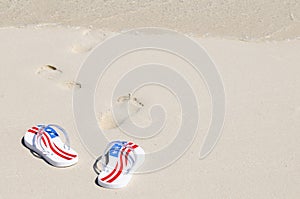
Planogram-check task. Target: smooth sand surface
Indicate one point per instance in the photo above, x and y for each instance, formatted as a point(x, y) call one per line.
point(258, 155)
point(245, 20)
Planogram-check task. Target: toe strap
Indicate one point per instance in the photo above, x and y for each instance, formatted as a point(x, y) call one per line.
point(48, 129)
point(104, 158)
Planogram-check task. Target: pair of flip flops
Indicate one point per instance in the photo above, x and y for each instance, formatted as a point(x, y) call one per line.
point(119, 160)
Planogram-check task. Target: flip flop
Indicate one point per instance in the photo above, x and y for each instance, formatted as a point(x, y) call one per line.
point(121, 160)
point(45, 141)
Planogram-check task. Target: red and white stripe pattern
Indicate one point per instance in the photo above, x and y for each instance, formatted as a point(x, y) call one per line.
point(50, 144)
point(121, 163)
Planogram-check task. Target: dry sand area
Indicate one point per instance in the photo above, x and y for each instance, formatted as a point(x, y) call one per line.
point(255, 47)
point(246, 20)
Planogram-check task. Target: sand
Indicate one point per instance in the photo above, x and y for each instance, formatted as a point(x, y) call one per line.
point(256, 157)
point(245, 20)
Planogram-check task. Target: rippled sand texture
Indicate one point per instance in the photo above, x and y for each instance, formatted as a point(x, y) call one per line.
point(244, 20)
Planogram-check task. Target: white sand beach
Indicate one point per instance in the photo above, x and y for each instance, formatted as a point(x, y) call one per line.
point(258, 154)
point(247, 20)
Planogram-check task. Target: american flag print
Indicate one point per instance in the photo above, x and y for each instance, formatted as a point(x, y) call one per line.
point(121, 152)
point(48, 140)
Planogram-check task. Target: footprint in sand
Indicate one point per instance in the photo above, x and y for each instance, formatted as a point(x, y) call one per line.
point(108, 120)
point(70, 85)
point(54, 74)
point(90, 38)
point(49, 72)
